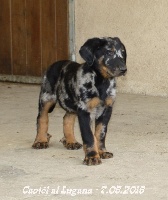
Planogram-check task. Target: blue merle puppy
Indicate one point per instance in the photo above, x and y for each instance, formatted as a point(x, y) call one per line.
point(85, 90)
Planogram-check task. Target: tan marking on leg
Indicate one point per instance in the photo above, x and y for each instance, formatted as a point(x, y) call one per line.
point(93, 148)
point(109, 101)
point(92, 159)
point(93, 103)
point(98, 130)
point(69, 140)
point(102, 151)
point(68, 127)
point(42, 128)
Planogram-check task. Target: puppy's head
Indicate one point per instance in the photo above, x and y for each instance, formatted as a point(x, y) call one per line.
point(107, 55)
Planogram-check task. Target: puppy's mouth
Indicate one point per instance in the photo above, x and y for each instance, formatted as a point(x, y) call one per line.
point(119, 74)
point(123, 73)
point(116, 73)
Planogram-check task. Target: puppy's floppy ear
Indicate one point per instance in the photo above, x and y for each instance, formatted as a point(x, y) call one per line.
point(87, 54)
point(87, 51)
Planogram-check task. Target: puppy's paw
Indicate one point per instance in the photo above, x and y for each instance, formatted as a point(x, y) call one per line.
point(71, 146)
point(92, 161)
point(106, 155)
point(92, 158)
point(42, 143)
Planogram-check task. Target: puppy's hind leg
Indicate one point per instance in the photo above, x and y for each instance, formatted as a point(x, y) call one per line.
point(47, 102)
point(42, 137)
point(69, 140)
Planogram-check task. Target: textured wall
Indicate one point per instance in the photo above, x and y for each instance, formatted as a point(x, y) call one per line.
point(142, 25)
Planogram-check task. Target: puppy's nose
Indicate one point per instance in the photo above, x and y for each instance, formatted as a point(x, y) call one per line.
point(123, 70)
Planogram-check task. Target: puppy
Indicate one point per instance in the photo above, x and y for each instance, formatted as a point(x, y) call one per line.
point(86, 91)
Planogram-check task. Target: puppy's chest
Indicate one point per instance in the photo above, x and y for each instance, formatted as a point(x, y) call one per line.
point(106, 88)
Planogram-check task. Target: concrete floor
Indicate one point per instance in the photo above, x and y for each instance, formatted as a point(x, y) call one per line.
point(137, 136)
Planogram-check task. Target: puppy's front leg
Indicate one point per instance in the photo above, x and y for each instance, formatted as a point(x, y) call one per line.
point(90, 147)
point(100, 132)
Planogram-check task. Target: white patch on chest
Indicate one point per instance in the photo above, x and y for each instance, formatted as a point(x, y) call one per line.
point(82, 90)
point(111, 91)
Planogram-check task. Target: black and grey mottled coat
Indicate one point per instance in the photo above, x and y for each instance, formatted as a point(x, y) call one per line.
point(84, 90)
